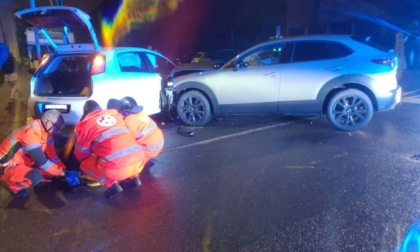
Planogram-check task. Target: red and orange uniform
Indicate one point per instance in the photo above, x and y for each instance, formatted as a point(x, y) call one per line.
point(31, 151)
point(106, 149)
point(146, 132)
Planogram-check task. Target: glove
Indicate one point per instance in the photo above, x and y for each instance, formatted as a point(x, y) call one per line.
point(72, 178)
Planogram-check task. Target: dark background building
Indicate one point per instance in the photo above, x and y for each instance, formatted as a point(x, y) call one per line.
point(196, 25)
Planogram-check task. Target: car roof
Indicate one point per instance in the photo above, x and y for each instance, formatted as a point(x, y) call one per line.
point(137, 49)
point(308, 37)
point(129, 48)
point(332, 37)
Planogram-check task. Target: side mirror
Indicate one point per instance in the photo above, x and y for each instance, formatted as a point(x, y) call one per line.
point(31, 70)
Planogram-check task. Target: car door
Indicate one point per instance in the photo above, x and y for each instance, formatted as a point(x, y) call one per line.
point(159, 64)
point(130, 75)
point(252, 86)
point(313, 65)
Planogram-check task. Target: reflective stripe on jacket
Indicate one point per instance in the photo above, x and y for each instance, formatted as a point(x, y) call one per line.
point(104, 133)
point(145, 130)
point(18, 146)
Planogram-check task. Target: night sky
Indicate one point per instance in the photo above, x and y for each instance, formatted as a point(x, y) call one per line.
point(210, 24)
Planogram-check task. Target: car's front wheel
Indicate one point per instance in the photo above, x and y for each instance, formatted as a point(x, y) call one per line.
point(350, 110)
point(193, 108)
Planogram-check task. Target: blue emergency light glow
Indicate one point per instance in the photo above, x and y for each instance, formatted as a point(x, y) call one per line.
point(40, 107)
point(367, 17)
point(412, 239)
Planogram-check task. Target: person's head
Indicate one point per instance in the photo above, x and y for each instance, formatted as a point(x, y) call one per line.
point(116, 104)
point(129, 101)
point(125, 106)
point(90, 106)
point(53, 121)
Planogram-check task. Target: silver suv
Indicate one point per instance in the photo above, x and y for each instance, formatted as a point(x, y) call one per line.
point(78, 69)
point(344, 77)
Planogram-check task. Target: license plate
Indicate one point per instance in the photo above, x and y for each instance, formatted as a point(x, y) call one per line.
point(63, 108)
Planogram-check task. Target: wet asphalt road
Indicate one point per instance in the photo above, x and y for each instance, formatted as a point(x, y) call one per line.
point(244, 184)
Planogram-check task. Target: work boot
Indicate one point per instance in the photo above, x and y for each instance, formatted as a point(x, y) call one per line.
point(150, 163)
point(20, 194)
point(113, 191)
point(136, 181)
point(131, 183)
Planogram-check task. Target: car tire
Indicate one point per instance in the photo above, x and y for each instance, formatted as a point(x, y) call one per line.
point(193, 108)
point(350, 110)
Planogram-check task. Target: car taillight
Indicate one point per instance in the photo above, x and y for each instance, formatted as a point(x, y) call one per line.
point(98, 64)
point(386, 61)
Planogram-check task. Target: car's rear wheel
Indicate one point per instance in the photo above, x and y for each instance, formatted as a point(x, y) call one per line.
point(193, 108)
point(350, 110)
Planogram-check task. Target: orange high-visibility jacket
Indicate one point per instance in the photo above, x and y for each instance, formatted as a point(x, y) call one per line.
point(32, 146)
point(104, 133)
point(145, 131)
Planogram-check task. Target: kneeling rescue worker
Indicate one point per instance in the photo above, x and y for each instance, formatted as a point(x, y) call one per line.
point(106, 150)
point(29, 153)
point(146, 132)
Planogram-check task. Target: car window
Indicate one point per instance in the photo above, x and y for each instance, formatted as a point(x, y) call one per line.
point(319, 50)
point(152, 60)
point(268, 55)
point(286, 52)
point(131, 62)
point(160, 64)
point(199, 55)
point(338, 50)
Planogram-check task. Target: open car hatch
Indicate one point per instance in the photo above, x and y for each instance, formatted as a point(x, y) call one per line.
point(66, 29)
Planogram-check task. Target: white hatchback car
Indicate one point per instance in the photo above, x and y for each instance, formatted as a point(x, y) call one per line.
point(342, 76)
point(77, 69)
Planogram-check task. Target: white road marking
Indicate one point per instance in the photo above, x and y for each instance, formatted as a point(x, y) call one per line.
point(246, 132)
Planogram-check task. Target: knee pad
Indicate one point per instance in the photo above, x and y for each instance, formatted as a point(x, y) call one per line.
point(35, 176)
